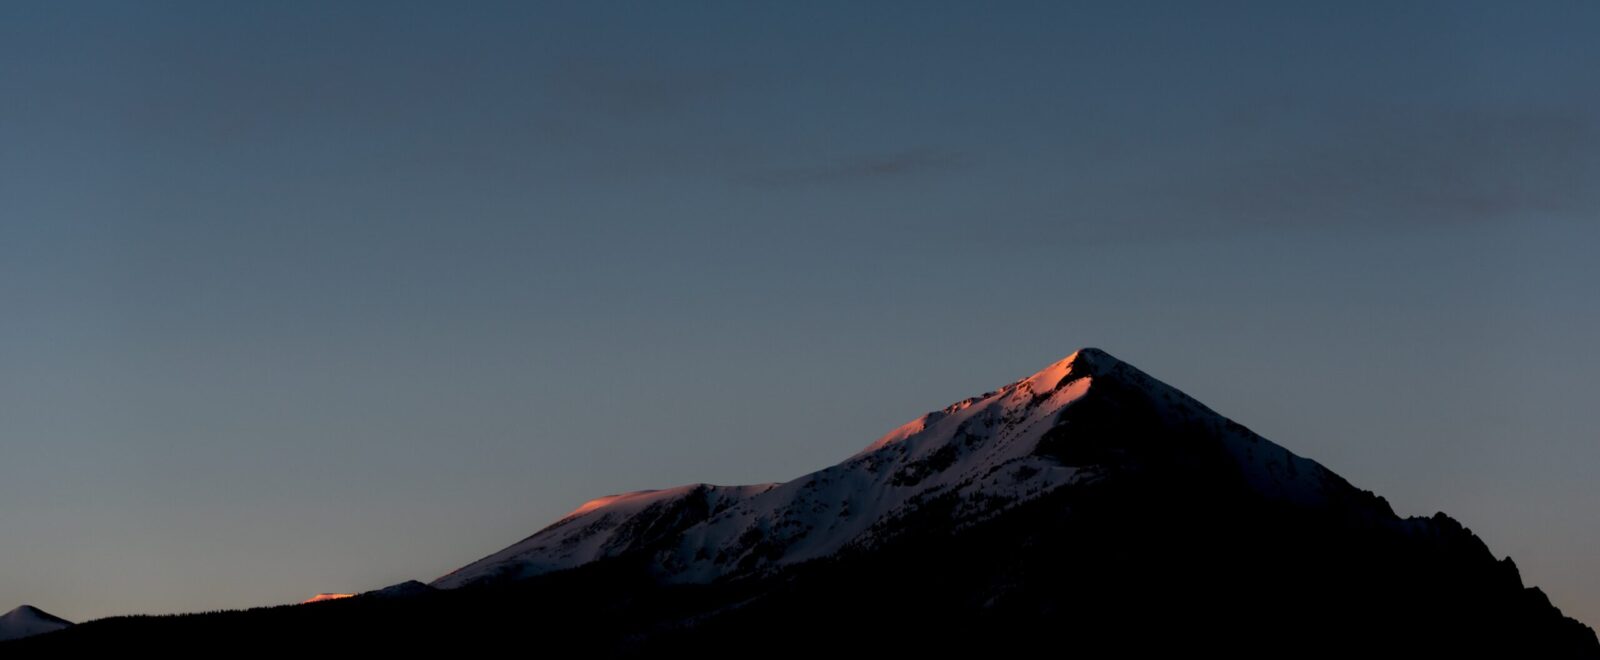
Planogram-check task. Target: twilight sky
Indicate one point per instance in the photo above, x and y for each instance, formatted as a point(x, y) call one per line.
point(310, 297)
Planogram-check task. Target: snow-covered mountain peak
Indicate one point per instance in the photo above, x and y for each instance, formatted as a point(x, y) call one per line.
point(27, 620)
point(1068, 422)
point(1083, 363)
point(1086, 361)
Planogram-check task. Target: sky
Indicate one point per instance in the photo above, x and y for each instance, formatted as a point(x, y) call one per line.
point(315, 297)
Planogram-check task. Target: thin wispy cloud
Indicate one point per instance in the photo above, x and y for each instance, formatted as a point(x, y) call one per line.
point(1355, 167)
point(1430, 167)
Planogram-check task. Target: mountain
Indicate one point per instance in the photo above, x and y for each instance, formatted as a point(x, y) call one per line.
point(27, 620)
point(986, 454)
point(1088, 508)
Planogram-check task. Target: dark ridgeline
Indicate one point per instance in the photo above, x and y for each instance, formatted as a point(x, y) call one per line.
point(1170, 547)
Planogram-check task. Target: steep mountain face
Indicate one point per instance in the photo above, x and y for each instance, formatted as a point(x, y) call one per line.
point(27, 621)
point(1087, 509)
point(1087, 497)
point(1064, 425)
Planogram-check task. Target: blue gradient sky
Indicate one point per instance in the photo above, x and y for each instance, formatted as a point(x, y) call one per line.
point(303, 298)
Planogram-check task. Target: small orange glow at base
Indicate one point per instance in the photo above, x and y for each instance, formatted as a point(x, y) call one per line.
point(322, 597)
